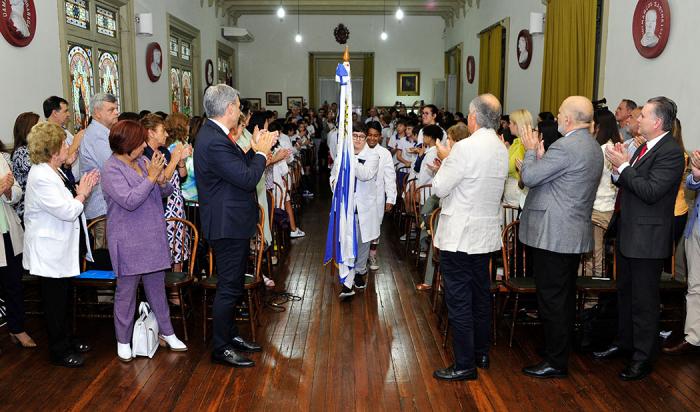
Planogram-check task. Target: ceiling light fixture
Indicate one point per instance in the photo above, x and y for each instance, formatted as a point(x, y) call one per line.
point(384, 36)
point(399, 12)
point(298, 38)
point(280, 12)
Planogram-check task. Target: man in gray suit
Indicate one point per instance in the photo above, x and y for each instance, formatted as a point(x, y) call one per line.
point(556, 223)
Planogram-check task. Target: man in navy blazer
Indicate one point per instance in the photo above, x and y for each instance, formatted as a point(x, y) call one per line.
point(226, 180)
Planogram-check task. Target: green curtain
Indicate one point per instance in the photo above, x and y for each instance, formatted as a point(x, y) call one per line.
point(569, 52)
point(490, 62)
point(312, 82)
point(368, 82)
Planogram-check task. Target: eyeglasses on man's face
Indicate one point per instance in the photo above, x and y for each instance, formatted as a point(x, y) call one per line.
point(358, 136)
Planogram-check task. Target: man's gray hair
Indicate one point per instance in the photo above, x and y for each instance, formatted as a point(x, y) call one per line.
point(488, 111)
point(99, 99)
point(217, 98)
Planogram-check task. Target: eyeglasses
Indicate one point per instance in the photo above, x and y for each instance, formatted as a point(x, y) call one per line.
point(358, 136)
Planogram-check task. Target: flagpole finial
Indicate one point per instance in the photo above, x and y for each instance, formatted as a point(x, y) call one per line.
point(346, 55)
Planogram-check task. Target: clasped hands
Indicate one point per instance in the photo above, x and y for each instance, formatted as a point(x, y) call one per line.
point(263, 140)
point(617, 154)
point(532, 140)
point(695, 164)
point(6, 185)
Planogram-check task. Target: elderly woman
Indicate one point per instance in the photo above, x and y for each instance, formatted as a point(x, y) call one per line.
point(156, 140)
point(133, 189)
point(53, 215)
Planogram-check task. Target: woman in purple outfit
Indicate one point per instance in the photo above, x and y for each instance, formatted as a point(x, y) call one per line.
point(138, 245)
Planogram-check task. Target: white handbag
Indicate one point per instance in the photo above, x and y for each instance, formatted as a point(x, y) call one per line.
point(145, 338)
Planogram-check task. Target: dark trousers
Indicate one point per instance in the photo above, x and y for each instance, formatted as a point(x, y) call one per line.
point(11, 281)
point(638, 305)
point(468, 299)
point(54, 292)
point(555, 280)
point(231, 258)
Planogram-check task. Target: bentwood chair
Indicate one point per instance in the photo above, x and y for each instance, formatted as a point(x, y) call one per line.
point(187, 236)
point(253, 282)
point(420, 195)
point(515, 276)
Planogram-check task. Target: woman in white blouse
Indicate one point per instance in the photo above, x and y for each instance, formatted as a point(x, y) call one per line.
point(53, 216)
point(606, 133)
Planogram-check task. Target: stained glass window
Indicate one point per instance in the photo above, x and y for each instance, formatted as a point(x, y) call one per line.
point(187, 92)
point(109, 74)
point(185, 50)
point(174, 49)
point(106, 22)
point(81, 83)
point(175, 101)
point(77, 13)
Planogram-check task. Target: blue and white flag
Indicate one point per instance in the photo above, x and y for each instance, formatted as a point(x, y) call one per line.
point(341, 243)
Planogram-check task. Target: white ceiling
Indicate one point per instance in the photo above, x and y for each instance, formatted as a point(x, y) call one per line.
point(449, 10)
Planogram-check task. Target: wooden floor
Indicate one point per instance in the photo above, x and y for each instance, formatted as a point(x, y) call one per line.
point(374, 353)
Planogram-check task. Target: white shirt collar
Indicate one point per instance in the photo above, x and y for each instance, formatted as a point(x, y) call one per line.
point(224, 128)
point(651, 143)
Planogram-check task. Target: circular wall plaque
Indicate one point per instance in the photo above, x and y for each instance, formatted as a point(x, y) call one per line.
point(18, 21)
point(524, 49)
point(471, 69)
point(154, 61)
point(651, 26)
point(209, 72)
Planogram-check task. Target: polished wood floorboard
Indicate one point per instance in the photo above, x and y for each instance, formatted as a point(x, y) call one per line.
point(374, 353)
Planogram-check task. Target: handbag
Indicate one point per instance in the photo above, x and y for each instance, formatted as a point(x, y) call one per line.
point(145, 337)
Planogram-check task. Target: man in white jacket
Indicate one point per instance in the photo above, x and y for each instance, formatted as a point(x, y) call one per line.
point(386, 183)
point(366, 223)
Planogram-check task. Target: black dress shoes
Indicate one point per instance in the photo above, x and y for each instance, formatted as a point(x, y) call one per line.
point(609, 353)
point(451, 374)
point(243, 345)
point(81, 347)
point(230, 357)
point(71, 360)
point(544, 370)
point(482, 361)
point(635, 371)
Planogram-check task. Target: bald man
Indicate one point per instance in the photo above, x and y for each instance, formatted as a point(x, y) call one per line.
point(556, 223)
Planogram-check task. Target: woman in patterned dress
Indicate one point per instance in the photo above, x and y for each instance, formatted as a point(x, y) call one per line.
point(20, 163)
point(175, 204)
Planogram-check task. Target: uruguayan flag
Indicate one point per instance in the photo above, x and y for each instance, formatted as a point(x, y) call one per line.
point(341, 243)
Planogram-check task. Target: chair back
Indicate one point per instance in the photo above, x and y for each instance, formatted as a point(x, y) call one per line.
point(510, 214)
point(419, 196)
point(187, 235)
point(514, 255)
point(254, 259)
point(102, 260)
point(278, 195)
point(432, 224)
point(408, 194)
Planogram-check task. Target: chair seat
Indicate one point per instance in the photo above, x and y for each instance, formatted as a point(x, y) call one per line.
point(672, 285)
point(495, 285)
point(173, 279)
point(210, 282)
point(524, 284)
point(595, 284)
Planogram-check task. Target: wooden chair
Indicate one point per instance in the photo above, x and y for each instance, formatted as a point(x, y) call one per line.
point(421, 193)
point(175, 282)
point(437, 273)
point(279, 193)
point(252, 284)
point(514, 273)
point(408, 216)
point(510, 214)
point(606, 283)
point(101, 298)
point(400, 209)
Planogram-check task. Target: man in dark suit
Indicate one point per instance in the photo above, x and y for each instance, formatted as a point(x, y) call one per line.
point(226, 180)
point(648, 187)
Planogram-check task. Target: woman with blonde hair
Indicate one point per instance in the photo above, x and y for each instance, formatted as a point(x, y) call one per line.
point(512, 194)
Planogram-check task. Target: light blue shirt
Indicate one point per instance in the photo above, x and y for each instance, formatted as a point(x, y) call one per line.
point(94, 152)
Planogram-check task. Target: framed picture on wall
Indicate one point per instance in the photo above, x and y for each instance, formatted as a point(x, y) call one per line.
point(408, 83)
point(255, 104)
point(273, 99)
point(293, 101)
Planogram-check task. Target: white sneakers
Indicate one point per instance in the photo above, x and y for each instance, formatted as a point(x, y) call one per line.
point(296, 233)
point(373, 263)
point(124, 352)
point(172, 342)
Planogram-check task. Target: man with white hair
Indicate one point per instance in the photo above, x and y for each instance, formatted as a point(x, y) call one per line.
point(227, 177)
point(94, 152)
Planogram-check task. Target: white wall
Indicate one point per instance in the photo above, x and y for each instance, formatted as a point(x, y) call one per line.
point(274, 62)
point(672, 74)
point(31, 73)
point(522, 87)
point(155, 96)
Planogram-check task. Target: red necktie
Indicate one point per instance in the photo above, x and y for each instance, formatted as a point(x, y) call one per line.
point(641, 153)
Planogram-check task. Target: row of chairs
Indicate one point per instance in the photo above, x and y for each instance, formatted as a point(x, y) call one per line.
point(517, 281)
